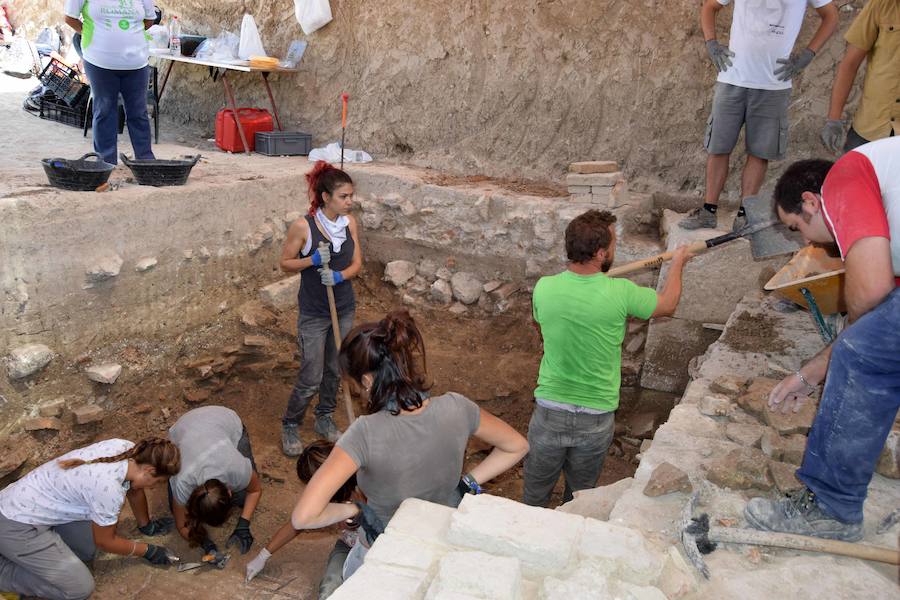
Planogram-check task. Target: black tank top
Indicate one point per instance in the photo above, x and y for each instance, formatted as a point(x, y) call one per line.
point(313, 299)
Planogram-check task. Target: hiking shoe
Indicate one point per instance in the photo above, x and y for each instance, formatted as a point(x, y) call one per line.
point(699, 218)
point(326, 428)
point(798, 512)
point(291, 444)
point(740, 221)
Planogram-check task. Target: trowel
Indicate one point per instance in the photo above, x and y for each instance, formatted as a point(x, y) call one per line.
point(767, 235)
point(216, 560)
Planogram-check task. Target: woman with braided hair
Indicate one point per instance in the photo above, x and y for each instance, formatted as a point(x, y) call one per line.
point(409, 445)
point(59, 514)
point(333, 265)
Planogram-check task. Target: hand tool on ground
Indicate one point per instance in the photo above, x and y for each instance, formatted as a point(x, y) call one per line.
point(344, 98)
point(336, 331)
point(888, 521)
point(699, 538)
point(767, 235)
point(213, 560)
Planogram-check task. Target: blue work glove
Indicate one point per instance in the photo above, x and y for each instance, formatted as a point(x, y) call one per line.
point(158, 526)
point(330, 278)
point(719, 55)
point(321, 256)
point(241, 536)
point(793, 65)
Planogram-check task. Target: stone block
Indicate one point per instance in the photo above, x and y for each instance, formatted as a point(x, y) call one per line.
point(375, 583)
point(422, 520)
point(794, 422)
point(715, 405)
point(635, 344)
point(282, 293)
point(745, 434)
point(53, 408)
point(89, 413)
point(254, 314)
point(466, 287)
point(256, 341)
point(678, 578)
point(43, 423)
point(741, 469)
point(27, 360)
point(106, 373)
point(638, 592)
point(620, 553)
point(579, 190)
point(403, 552)
point(784, 476)
point(594, 179)
point(441, 292)
point(729, 385)
point(596, 503)
point(889, 461)
point(145, 264)
point(398, 272)
point(594, 166)
point(477, 575)
point(671, 344)
point(587, 582)
point(666, 478)
point(427, 269)
point(543, 540)
point(788, 449)
point(755, 401)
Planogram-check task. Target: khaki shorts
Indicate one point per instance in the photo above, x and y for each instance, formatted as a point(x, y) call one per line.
point(763, 111)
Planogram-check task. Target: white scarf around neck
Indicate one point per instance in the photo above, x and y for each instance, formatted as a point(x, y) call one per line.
point(336, 230)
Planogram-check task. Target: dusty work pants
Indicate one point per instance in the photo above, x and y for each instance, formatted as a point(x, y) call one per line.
point(574, 444)
point(44, 561)
point(856, 412)
point(319, 371)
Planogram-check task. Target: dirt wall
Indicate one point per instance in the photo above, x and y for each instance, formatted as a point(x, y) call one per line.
point(505, 88)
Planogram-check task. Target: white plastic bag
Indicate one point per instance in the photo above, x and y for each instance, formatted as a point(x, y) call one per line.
point(251, 44)
point(312, 14)
point(332, 153)
point(223, 47)
point(159, 36)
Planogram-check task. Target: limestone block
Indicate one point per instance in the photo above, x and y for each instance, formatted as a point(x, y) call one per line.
point(105, 268)
point(27, 360)
point(398, 272)
point(638, 592)
point(441, 292)
point(477, 575)
point(53, 408)
point(403, 552)
point(466, 287)
point(794, 422)
point(755, 401)
point(282, 293)
point(741, 469)
point(579, 190)
point(543, 540)
point(587, 582)
point(594, 179)
point(678, 578)
point(715, 405)
point(145, 264)
point(422, 520)
point(619, 552)
point(89, 413)
point(784, 476)
point(377, 583)
point(671, 344)
point(729, 385)
point(788, 449)
point(43, 423)
point(745, 434)
point(597, 503)
point(105, 373)
point(666, 478)
point(889, 461)
point(256, 341)
point(594, 166)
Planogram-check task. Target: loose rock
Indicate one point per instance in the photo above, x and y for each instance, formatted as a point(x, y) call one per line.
point(105, 373)
point(195, 396)
point(441, 292)
point(27, 360)
point(281, 293)
point(466, 287)
point(784, 476)
point(444, 273)
point(256, 340)
point(52, 409)
point(793, 422)
point(145, 264)
point(458, 309)
point(741, 469)
point(504, 291)
point(490, 286)
point(89, 413)
point(788, 449)
point(106, 268)
point(715, 405)
point(730, 385)
point(745, 434)
point(666, 479)
point(255, 314)
point(642, 425)
point(889, 461)
point(43, 423)
point(398, 272)
point(755, 400)
point(428, 269)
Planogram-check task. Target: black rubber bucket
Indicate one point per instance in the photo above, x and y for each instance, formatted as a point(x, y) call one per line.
point(80, 175)
point(159, 172)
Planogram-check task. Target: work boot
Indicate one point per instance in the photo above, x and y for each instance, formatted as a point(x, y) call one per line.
point(326, 428)
point(740, 221)
point(291, 444)
point(699, 218)
point(798, 512)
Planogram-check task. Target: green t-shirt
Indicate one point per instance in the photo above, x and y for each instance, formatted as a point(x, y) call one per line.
point(582, 320)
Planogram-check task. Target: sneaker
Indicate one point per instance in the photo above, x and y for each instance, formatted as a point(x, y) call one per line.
point(699, 218)
point(740, 221)
point(799, 513)
point(291, 444)
point(326, 428)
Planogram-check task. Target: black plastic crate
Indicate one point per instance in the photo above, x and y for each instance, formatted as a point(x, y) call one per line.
point(63, 81)
point(54, 109)
point(283, 143)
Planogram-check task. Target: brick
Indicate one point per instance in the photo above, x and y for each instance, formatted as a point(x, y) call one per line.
point(374, 583)
point(642, 425)
point(477, 575)
point(52, 409)
point(282, 293)
point(741, 469)
point(43, 424)
point(594, 166)
point(89, 413)
point(15, 450)
point(666, 478)
point(543, 540)
point(594, 179)
point(256, 341)
point(425, 521)
point(620, 553)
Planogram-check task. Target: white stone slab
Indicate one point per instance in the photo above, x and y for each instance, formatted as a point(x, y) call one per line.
point(620, 552)
point(397, 550)
point(477, 575)
point(374, 583)
point(421, 520)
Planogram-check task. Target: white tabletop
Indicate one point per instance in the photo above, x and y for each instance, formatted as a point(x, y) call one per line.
point(235, 65)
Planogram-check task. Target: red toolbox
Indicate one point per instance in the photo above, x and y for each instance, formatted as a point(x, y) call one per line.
point(252, 120)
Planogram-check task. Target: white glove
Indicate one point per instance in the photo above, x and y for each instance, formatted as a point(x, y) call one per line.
point(257, 564)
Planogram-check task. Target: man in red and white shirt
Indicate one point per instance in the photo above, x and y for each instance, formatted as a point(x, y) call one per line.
point(854, 203)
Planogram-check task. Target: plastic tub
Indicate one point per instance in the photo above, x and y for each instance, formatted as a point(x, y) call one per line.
point(283, 143)
point(160, 172)
point(81, 175)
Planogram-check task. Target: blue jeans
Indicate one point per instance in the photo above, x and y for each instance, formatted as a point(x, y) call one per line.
point(856, 412)
point(574, 444)
point(106, 85)
point(319, 371)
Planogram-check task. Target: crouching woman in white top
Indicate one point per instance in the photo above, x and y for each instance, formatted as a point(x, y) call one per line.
point(59, 514)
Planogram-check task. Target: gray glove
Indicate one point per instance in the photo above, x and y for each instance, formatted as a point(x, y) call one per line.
point(330, 278)
point(833, 135)
point(719, 55)
point(793, 65)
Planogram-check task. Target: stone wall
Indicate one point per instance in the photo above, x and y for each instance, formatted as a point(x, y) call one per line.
point(503, 88)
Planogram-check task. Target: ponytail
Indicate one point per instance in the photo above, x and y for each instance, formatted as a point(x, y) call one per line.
point(387, 350)
point(323, 178)
point(209, 503)
point(159, 453)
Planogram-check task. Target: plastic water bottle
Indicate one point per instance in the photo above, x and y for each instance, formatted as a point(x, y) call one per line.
point(175, 36)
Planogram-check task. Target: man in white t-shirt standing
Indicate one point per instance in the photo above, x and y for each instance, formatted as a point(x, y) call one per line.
point(753, 89)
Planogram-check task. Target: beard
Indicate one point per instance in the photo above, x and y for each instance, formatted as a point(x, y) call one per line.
point(606, 265)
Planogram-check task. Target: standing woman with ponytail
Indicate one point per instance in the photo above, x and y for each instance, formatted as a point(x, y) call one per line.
point(329, 221)
point(409, 445)
point(59, 514)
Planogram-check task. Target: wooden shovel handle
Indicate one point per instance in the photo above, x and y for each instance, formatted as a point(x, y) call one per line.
point(336, 331)
point(654, 261)
point(802, 542)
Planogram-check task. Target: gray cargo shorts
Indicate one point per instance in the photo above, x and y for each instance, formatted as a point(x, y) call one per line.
point(765, 113)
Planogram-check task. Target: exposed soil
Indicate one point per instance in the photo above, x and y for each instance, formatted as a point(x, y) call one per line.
point(749, 333)
point(533, 188)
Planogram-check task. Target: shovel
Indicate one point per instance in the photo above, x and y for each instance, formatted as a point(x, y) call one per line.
point(336, 331)
point(768, 237)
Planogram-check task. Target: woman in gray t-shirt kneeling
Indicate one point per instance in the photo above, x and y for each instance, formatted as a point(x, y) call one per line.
point(408, 445)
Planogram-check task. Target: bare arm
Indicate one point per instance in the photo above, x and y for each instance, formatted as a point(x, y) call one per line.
point(315, 509)
point(180, 514)
point(356, 264)
point(830, 18)
point(667, 300)
point(708, 14)
point(254, 493)
point(296, 239)
point(870, 275)
point(509, 447)
point(74, 23)
point(137, 499)
point(285, 534)
point(105, 539)
point(843, 80)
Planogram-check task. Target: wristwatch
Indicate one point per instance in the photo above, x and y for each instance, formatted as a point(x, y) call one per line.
point(468, 485)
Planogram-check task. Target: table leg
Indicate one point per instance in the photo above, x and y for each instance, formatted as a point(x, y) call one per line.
point(265, 76)
point(162, 88)
point(234, 112)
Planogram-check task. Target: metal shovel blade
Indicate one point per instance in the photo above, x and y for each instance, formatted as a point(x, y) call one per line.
point(768, 236)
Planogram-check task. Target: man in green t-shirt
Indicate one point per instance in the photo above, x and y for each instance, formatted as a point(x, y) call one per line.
point(581, 315)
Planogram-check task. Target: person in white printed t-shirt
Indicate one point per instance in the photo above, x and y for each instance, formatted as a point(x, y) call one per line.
point(59, 514)
point(753, 90)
